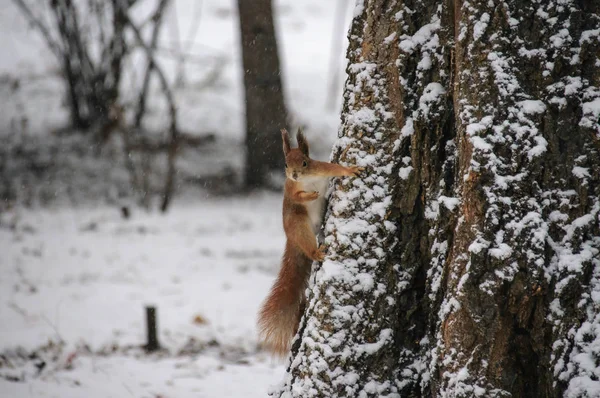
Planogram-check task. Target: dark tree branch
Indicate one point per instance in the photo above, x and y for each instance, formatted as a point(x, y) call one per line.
point(173, 129)
point(157, 18)
point(41, 26)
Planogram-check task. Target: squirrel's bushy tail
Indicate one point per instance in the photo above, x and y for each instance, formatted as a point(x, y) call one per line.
point(281, 312)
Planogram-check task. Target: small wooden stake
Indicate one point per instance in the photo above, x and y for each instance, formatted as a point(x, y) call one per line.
point(152, 342)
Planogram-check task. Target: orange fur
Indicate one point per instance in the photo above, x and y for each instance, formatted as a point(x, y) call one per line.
point(280, 314)
point(281, 311)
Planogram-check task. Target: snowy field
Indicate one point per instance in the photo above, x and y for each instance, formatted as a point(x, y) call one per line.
point(81, 278)
point(74, 280)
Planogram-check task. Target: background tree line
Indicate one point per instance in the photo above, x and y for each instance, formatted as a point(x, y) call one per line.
point(91, 42)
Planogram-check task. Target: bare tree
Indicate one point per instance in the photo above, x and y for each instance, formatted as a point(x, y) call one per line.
point(466, 260)
point(169, 186)
point(92, 81)
point(265, 108)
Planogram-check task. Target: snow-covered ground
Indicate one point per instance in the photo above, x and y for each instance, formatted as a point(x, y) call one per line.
point(82, 278)
point(74, 281)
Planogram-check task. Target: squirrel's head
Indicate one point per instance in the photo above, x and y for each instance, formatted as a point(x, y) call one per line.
point(297, 162)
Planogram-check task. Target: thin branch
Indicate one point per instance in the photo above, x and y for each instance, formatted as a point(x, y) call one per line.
point(190, 40)
point(71, 30)
point(195, 25)
point(52, 44)
point(99, 7)
point(191, 57)
point(157, 18)
point(170, 180)
point(181, 58)
point(184, 140)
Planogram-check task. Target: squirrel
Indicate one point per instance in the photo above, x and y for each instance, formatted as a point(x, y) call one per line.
point(282, 310)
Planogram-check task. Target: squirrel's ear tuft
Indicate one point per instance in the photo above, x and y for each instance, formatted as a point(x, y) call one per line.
point(286, 141)
point(302, 144)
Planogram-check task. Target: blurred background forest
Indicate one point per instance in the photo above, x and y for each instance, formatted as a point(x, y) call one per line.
point(115, 112)
point(121, 82)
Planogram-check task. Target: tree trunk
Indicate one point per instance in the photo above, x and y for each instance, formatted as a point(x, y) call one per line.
point(265, 107)
point(466, 259)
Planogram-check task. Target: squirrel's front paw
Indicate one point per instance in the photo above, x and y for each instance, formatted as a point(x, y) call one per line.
point(355, 170)
point(319, 254)
point(313, 195)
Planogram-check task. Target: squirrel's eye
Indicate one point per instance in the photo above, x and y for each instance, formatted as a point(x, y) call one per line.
point(285, 165)
point(304, 164)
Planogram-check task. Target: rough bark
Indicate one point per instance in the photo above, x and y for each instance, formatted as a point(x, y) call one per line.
point(466, 260)
point(265, 108)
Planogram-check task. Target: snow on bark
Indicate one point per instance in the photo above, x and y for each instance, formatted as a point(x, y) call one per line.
point(349, 322)
point(465, 261)
point(518, 127)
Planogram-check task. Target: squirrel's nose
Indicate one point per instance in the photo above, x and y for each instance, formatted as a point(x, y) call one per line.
point(295, 176)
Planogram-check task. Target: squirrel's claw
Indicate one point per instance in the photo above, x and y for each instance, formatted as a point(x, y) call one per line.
point(356, 171)
point(319, 254)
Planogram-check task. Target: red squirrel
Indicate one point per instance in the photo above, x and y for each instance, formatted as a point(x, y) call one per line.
point(280, 314)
